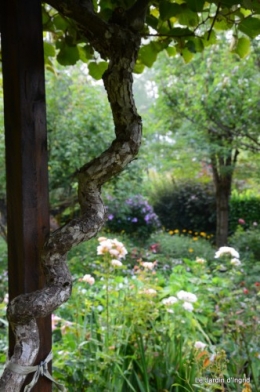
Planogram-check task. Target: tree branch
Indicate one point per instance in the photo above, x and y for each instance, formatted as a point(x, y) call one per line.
point(23, 310)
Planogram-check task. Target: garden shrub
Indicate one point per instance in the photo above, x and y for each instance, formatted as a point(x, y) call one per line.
point(244, 210)
point(179, 247)
point(133, 216)
point(189, 205)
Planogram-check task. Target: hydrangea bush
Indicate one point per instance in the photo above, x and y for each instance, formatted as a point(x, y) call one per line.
point(133, 216)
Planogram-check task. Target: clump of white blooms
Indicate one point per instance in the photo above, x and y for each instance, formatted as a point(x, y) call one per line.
point(88, 279)
point(116, 263)
point(200, 260)
point(113, 247)
point(169, 301)
point(187, 306)
point(150, 292)
point(148, 265)
point(186, 296)
point(200, 345)
point(226, 251)
point(235, 262)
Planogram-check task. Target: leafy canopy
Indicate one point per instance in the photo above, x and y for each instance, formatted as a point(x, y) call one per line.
point(182, 27)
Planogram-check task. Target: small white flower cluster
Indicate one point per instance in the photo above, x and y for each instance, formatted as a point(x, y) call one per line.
point(114, 248)
point(185, 296)
point(231, 252)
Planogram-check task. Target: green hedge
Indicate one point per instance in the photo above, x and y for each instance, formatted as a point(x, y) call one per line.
point(191, 206)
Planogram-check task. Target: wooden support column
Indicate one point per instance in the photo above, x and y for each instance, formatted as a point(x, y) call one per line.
point(26, 155)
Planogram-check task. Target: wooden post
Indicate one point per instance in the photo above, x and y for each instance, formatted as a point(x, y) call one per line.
point(26, 155)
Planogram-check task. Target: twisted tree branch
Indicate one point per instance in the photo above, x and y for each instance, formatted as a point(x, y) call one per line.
point(122, 46)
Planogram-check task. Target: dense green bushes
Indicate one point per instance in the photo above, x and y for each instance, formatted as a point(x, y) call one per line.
point(191, 206)
point(188, 206)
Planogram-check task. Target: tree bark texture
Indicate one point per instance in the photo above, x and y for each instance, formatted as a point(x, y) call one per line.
point(223, 166)
point(120, 44)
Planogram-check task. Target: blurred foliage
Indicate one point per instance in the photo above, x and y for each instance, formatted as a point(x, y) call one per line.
point(186, 205)
point(79, 128)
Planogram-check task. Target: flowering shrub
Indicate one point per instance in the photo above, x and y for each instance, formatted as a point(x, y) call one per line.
point(135, 216)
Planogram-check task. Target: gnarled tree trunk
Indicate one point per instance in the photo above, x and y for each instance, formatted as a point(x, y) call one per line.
point(120, 44)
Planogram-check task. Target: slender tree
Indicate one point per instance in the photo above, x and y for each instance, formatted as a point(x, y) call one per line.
point(216, 98)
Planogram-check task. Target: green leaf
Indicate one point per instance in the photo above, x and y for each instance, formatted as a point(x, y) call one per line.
point(167, 9)
point(49, 49)
point(148, 54)
point(209, 38)
point(188, 17)
point(250, 26)
point(68, 55)
point(152, 21)
point(171, 51)
point(96, 70)
point(85, 53)
point(251, 5)
point(60, 23)
point(243, 47)
point(181, 32)
point(195, 45)
point(196, 5)
point(187, 55)
point(138, 68)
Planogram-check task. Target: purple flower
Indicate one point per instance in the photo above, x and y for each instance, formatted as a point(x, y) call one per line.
point(110, 217)
point(134, 220)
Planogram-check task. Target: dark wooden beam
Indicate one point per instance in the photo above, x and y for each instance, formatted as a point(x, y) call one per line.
point(26, 155)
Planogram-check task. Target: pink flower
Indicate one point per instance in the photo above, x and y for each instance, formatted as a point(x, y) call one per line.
point(88, 279)
point(241, 221)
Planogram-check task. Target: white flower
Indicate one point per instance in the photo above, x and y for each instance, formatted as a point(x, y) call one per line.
point(151, 292)
point(199, 345)
point(169, 301)
point(88, 279)
point(116, 263)
point(188, 306)
point(226, 251)
point(148, 265)
point(235, 262)
point(186, 296)
point(200, 260)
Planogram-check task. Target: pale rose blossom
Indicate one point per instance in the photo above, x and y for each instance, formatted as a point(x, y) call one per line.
point(100, 239)
point(187, 306)
point(88, 279)
point(169, 301)
point(186, 296)
point(200, 260)
point(116, 263)
point(114, 252)
point(148, 265)
point(200, 345)
point(235, 262)
point(151, 292)
point(226, 251)
point(112, 247)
